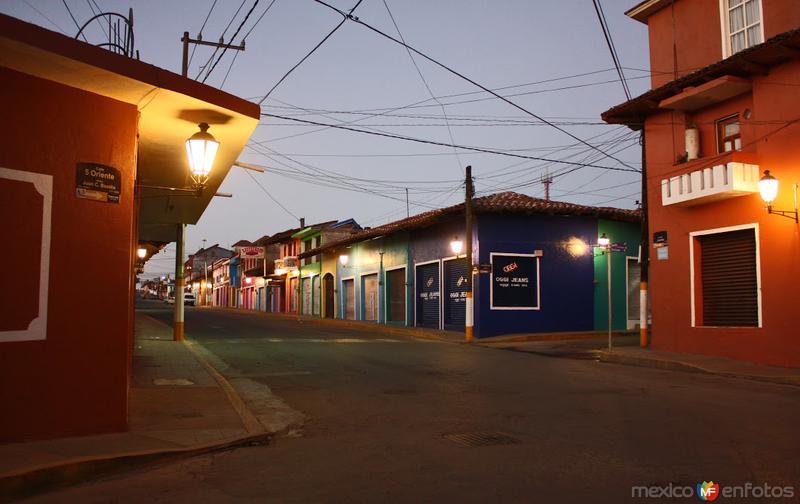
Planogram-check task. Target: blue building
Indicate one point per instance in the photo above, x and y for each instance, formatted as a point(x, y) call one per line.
point(539, 271)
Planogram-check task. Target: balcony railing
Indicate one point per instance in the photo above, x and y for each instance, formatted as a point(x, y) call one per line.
point(705, 185)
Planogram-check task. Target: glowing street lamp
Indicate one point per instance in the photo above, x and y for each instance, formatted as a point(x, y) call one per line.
point(344, 258)
point(201, 148)
point(141, 253)
point(768, 187)
point(456, 245)
point(603, 241)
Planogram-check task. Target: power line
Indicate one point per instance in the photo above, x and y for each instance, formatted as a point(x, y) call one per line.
point(347, 16)
point(264, 189)
point(432, 142)
point(319, 44)
point(225, 49)
point(200, 33)
point(258, 20)
point(216, 48)
point(601, 17)
point(44, 16)
point(427, 86)
point(74, 20)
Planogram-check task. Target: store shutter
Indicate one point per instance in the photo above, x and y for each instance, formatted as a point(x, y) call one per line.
point(370, 290)
point(315, 291)
point(728, 274)
point(306, 296)
point(428, 295)
point(397, 295)
point(349, 299)
point(455, 294)
point(634, 288)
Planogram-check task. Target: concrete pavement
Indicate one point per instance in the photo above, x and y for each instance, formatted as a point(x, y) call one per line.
point(179, 407)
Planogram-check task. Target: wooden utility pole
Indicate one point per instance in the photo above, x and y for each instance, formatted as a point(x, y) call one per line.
point(468, 194)
point(199, 41)
point(177, 328)
point(644, 266)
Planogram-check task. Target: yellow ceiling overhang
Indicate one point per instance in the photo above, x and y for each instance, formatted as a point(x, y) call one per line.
point(170, 107)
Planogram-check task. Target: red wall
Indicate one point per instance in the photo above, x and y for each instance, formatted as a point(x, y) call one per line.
point(773, 105)
point(692, 28)
point(75, 381)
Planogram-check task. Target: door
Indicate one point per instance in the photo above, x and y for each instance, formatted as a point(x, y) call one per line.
point(306, 296)
point(634, 279)
point(455, 294)
point(315, 295)
point(396, 280)
point(349, 288)
point(428, 295)
point(369, 287)
point(329, 308)
point(294, 295)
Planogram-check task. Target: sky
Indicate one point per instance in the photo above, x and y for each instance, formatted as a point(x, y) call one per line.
point(548, 57)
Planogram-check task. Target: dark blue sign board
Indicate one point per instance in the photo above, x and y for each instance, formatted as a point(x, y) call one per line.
point(515, 281)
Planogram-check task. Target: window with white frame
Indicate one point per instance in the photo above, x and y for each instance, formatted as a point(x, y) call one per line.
point(741, 25)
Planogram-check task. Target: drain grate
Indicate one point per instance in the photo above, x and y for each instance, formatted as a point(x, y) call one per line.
point(473, 439)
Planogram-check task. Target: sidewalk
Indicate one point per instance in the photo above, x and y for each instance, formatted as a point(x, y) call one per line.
point(179, 407)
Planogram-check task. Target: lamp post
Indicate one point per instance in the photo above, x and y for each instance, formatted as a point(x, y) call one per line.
point(604, 243)
point(768, 187)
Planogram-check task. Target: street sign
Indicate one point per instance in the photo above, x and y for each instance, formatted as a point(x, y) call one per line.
point(619, 247)
point(97, 182)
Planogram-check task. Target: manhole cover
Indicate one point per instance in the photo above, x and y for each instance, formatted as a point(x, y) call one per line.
point(472, 439)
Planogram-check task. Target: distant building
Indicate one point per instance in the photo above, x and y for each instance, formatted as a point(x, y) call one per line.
point(723, 109)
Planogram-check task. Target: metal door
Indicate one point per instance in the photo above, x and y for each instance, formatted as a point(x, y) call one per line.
point(329, 296)
point(349, 287)
point(369, 286)
point(397, 295)
point(306, 296)
point(315, 293)
point(455, 294)
point(294, 295)
point(428, 295)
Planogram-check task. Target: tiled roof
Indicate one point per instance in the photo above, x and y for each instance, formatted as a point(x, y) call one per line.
point(505, 202)
point(753, 60)
point(243, 243)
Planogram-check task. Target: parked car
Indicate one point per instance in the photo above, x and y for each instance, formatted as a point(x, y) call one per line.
point(189, 299)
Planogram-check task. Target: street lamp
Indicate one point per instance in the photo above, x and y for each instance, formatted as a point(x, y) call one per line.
point(604, 242)
point(201, 148)
point(344, 258)
point(768, 187)
point(141, 253)
point(456, 246)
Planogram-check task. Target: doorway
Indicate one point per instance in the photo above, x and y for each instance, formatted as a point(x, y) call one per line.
point(328, 286)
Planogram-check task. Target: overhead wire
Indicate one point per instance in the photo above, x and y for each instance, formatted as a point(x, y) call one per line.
point(601, 17)
point(200, 33)
point(265, 191)
point(45, 16)
point(222, 37)
point(225, 49)
point(74, 20)
point(347, 16)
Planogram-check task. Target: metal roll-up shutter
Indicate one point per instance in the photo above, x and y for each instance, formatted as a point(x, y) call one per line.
point(428, 295)
point(728, 274)
point(349, 299)
point(315, 293)
point(397, 295)
point(455, 293)
point(370, 289)
point(306, 283)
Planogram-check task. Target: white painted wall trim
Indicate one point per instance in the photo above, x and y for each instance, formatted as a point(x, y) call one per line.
point(692, 235)
point(43, 183)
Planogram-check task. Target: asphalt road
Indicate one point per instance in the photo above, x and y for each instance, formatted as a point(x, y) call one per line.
point(380, 409)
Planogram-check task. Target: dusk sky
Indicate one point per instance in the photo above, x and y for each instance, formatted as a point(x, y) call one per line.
point(548, 57)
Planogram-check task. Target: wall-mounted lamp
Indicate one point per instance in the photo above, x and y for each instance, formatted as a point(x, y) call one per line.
point(344, 258)
point(201, 148)
point(141, 253)
point(248, 280)
point(768, 187)
point(208, 285)
point(456, 245)
point(603, 241)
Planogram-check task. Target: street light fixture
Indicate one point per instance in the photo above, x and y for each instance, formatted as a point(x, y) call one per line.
point(456, 246)
point(344, 258)
point(142, 253)
point(201, 148)
point(768, 187)
point(604, 242)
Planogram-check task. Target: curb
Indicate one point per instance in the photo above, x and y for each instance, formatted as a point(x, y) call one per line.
point(604, 356)
point(47, 478)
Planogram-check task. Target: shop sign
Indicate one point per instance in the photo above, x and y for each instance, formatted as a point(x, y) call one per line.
point(98, 182)
point(659, 239)
point(515, 281)
point(252, 252)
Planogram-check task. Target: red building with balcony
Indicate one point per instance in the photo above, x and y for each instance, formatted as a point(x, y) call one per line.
point(723, 108)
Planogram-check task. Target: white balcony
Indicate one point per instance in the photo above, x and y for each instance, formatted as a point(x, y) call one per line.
point(710, 184)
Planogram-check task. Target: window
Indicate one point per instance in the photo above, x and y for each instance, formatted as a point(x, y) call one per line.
point(729, 137)
point(741, 25)
point(725, 278)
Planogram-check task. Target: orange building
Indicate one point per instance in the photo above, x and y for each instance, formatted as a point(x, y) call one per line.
point(90, 140)
point(722, 110)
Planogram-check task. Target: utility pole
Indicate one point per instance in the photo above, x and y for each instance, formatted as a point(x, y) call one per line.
point(468, 194)
point(177, 328)
point(408, 209)
point(547, 179)
point(644, 266)
point(199, 41)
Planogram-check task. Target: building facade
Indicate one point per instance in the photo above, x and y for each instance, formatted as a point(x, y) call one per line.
point(723, 110)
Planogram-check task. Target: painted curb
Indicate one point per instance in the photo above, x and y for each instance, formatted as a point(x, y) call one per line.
point(47, 478)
